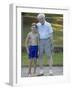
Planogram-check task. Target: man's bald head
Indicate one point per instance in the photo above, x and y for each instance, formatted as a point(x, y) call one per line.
point(41, 18)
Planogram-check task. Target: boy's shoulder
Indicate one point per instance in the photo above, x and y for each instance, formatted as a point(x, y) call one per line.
point(38, 24)
point(30, 33)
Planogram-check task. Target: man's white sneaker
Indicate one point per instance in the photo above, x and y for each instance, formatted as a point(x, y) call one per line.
point(29, 75)
point(50, 72)
point(41, 72)
point(34, 74)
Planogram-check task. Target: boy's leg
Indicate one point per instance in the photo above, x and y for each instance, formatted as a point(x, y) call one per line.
point(41, 49)
point(35, 63)
point(30, 65)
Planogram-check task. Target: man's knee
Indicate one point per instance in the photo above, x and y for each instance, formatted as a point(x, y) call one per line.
point(40, 54)
point(49, 57)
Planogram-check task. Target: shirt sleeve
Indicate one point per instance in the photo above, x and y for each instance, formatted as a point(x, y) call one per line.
point(50, 28)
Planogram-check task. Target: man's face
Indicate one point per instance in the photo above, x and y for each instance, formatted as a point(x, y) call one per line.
point(41, 20)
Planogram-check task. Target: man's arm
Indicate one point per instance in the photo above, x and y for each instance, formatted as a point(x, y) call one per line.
point(38, 39)
point(51, 41)
point(51, 36)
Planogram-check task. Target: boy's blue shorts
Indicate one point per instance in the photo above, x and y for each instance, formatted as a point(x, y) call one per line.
point(33, 52)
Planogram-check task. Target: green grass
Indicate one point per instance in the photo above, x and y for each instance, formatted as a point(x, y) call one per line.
point(57, 59)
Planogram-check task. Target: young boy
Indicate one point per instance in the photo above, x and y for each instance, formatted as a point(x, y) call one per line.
point(31, 44)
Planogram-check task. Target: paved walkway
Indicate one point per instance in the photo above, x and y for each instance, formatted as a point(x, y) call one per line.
point(56, 71)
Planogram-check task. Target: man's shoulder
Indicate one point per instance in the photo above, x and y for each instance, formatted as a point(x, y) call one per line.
point(47, 23)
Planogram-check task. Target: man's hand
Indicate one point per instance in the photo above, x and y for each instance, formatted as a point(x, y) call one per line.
point(52, 47)
point(51, 42)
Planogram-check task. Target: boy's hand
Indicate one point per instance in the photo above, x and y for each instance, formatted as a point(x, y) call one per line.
point(27, 50)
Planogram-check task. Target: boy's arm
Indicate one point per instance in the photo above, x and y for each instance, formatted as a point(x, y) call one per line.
point(26, 42)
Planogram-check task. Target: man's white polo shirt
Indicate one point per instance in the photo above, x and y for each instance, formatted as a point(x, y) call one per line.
point(44, 30)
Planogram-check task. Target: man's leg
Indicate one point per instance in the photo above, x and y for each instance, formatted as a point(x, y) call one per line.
point(41, 56)
point(50, 61)
point(49, 55)
point(50, 65)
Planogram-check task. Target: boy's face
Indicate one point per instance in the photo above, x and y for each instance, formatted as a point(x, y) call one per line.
point(33, 28)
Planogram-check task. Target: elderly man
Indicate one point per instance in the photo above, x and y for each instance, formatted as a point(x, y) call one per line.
point(46, 42)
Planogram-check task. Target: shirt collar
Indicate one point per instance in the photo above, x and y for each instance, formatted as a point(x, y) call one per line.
point(44, 23)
